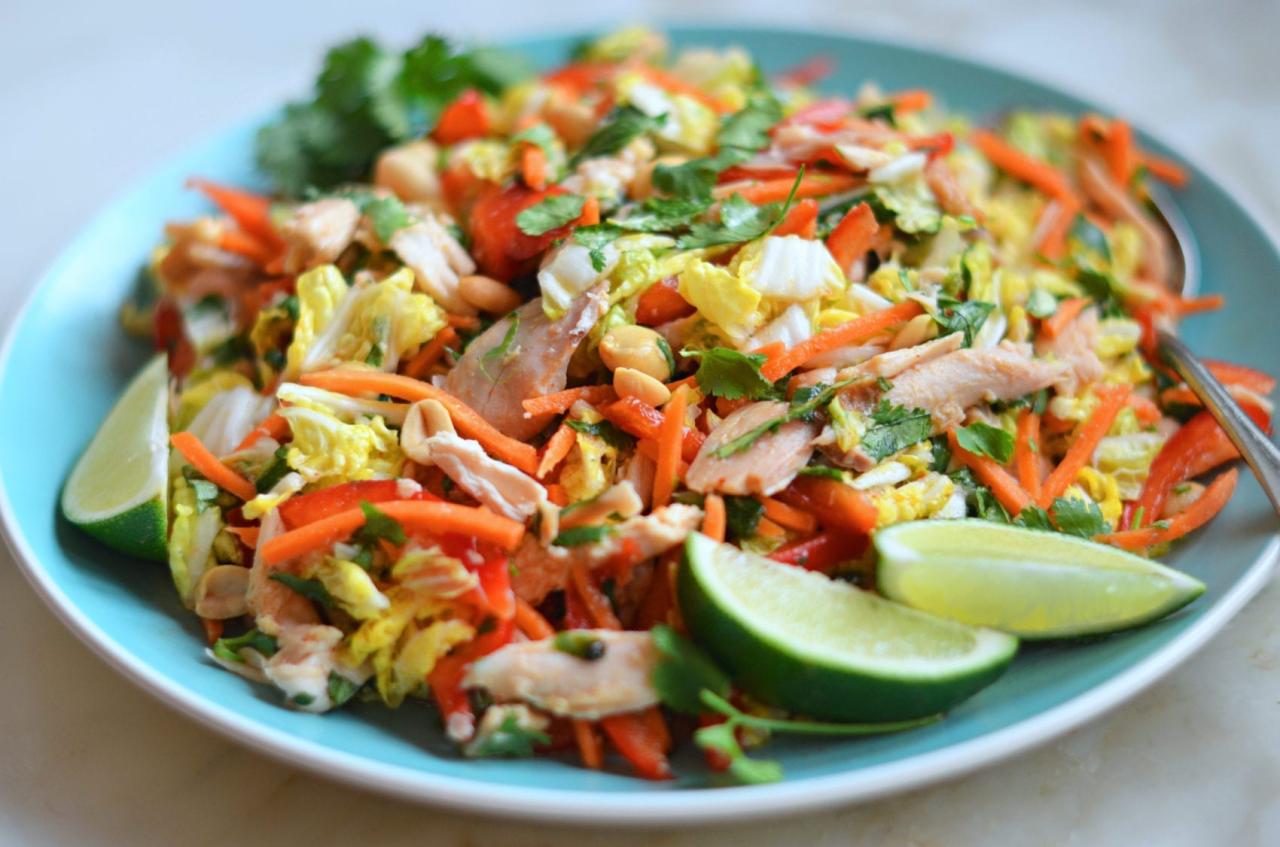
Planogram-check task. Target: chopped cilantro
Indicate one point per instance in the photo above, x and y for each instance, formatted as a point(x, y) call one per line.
point(595, 238)
point(500, 350)
point(228, 649)
point(605, 431)
point(748, 128)
point(312, 589)
point(684, 672)
point(961, 316)
point(341, 689)
point(895, 428)
point(804, 404)
point(986, 440)
point(550, 213)
point(880, 112)
point(941, 455)
point(539, 135)
point(742, 515)
point(740, 135)
point(509, 740)
point(619, 128)
point(378, 526)
point(274, 472)
point(724, 372)
point(579, 535)
point(1078, 517)
point(1033, 517)
point(662, 214)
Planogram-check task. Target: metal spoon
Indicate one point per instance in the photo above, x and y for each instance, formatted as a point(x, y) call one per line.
point(1262, 456)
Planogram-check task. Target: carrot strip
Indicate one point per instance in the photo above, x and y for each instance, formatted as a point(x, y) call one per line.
point(853, 236)
point(430, 517)
point(589, 745)
point(1026, 452)
point(836, 506)
point(559, 402)
point(557, 495)
point(1019, 165)
point(466, 323)
point(194, 451)
point(557, 447)
point(590, 215)
point(251, 212)
point(801, 220)
point(766, 528)
point(1119, 153)
point(661, 303)
point(666, 474)
point(788, 517)
point(533, 167)
point(243, 244)
point(422, 361)
point(212, 630)
point(642, 739)
point(853, 332)
point(1183, 306)
point(248, 535)
point(776, 190)
point(1084, 443)
point(713, 517)
point(648, 448)
point(531, 622)
point(1164, 169)
point(1053, 238)
point(911, 101)
point(1146, 411)
point(1006, 489)
point(593, 599)
point(273, 426)
point(1067, 312)
point(637, 418)
point(1196, 515)
point(468, 421)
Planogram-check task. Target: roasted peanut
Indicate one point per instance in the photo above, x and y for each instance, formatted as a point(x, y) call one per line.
point(488, 295)
point(638, 348)
point(629, 382)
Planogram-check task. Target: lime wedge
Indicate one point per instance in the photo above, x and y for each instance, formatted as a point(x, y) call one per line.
point(1025, 582)
point(117, 491)
point(820, 647)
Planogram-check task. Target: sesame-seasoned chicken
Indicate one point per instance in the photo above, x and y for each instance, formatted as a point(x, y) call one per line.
point(767, 466)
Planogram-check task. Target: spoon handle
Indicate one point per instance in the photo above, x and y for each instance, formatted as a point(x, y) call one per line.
point(1259, 452)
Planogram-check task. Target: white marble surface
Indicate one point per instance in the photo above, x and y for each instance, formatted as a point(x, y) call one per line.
point(93, 94)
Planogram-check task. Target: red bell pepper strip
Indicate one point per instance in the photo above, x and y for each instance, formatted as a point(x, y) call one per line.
point(823, 552)
point(304, 509)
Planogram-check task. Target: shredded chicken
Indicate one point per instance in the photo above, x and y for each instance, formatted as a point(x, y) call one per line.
point(1116, 202)
point(889, 365)
point(534, 362)
point(766, 467)
point(1074, 346)
point(274, 605)
point(317, 233)
point(539, 673)
point(303, 663)
point(950, 195)
point(437, 261)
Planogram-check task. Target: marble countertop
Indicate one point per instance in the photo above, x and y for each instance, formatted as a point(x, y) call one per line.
point(94, 94)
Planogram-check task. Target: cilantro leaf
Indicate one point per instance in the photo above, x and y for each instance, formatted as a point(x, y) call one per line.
point(1084, 231)
point(312, 589)
point(882, 112)
point(605, 431)
point(663, 214)
point(1103, 288)
point(619, 128)
point(341, 689)
point(580, 643)
point(1074, 516)
point(499, 351)
point(579, 535)
point(696, 177)
point(509, 740)
point(539, 135)
point(823, 472)
point(740, 220)
point(961, 316)
point(986, 440)
point(378, 525)
point(748, 128)
point(550, 213)
point(1033, 517)
point(273, 473)
point(595, 238)
point(724, 372)
point(742, 515)
point(684, 672)
point(895, 428)
point(206, 493)
point(941, 455)
point(228, 649)
point(979, 500)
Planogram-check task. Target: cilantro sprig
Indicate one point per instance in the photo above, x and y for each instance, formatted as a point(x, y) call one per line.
point(724, 372)
point(510, 740)
point(986, 440)
point(966, 316)
point(895, 428)
point(804, 404)
point(550, 213)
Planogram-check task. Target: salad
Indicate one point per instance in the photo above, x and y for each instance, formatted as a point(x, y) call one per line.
point(654, 397)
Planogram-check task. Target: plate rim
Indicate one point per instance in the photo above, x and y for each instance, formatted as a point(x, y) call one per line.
point(576, 806)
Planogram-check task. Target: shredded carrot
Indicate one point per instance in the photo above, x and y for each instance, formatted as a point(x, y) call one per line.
point(853, 236)
point(1183, 306)
point(596, 603)
point(212, 630)
point(468, 421)
point(1146, 411)
point(422, 361)
point(1067, 312)
point(801, 220)
point(1011, 160)
point(590, 748)
point(1087, 437)
point(788, 517)
point(911, 101)
point(1026, 452)
point(590, 215)
point(243, 244)
point(559, 402)
point(194, 451)
point(853, 332)
point(666, 474)
point(1163, 169)
point(426, 516)
point(556, 494)
point(713, 517)
point(251, 212)
point(273, 426)
point(836, 506)
point(1053, 237)
point(777, 190)
point(248, 535)
point(531, 622)
point(467, 323)
point(557, 447)
point(533, 167)
point(648, 448)
point(1119, 153)
point(661, 303)
point(691, 381)
point(643, 740)
point(1006, 489)
point(635, 417)
point(1196, 515)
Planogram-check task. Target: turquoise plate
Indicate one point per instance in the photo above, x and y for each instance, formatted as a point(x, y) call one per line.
point(66, 352)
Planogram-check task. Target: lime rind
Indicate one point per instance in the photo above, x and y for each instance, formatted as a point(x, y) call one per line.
point(876, 661)
point(1032, 584)
point(117, 492)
